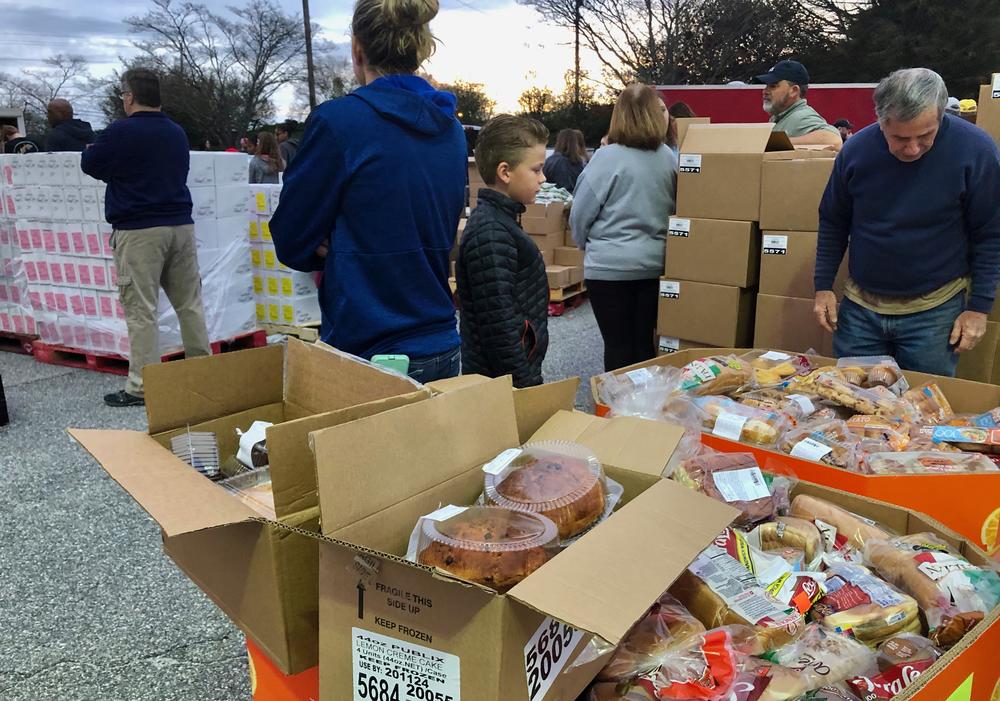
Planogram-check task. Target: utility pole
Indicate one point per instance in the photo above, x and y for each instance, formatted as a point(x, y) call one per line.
point(576, 86)
point(310, 71)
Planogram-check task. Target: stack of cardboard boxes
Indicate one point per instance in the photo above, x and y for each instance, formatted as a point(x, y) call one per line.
point(745, 200)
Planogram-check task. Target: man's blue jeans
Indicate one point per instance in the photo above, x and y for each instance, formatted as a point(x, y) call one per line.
point(917, 341)
point(436, 367)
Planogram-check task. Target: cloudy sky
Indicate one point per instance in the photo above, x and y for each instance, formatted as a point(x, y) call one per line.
point(496, 42)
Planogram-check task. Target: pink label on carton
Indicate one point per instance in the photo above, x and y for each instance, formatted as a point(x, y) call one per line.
point(4, 235)
point(90, 305)
point(62, 241)
point(94, 244)
point(31, 270)
point(119, 309)
point(49, 240)
point(100, 275)
point(36, 300)
point(107, 307)
point(95, 339)
point(83, 274)
point(43, 271)
point(15, 295)
point(79, 245)
point(24, 239)
point(113, 272)
point(11, 209)
point(50, 300)
point(56, 271)
point(5, 324)
point(76, 304)
point(36, 239)
point(19, 324)
point(62, 304)
point(69, 272)
point(106, 243)
point(3, 293)
point(29, 324)
point(80, 335)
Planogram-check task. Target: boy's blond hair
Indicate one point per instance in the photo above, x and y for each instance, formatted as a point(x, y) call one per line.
point(505, 139)
point(394, 34)
point(637, 120)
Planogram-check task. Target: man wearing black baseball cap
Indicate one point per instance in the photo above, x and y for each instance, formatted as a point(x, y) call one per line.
point(785, 88)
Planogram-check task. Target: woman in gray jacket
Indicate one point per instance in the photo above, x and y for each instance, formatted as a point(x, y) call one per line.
point(621, 206)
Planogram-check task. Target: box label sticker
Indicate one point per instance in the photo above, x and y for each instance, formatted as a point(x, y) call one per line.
point(741, 485)
point(445, 513)
point(810, 449)
point(669, 345)
point(670, 289)
point(386, 669)
point(500, 462)
point(639, 376)
point(729, 426)
point(679, 227)
point(775, 245)
point(805, 404)
point(995, 90)
point(690, 163)
point(546, 654)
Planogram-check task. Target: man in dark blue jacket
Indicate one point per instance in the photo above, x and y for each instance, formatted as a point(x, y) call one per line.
point(373, 199)
point(144, 160)
point(67, 133)
point(913, 200)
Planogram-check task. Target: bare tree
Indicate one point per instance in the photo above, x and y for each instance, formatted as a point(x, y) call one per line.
point(334, 78)
point(224, 70)
point(64, 75)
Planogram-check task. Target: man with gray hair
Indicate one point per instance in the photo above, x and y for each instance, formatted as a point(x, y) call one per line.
point(913, 202)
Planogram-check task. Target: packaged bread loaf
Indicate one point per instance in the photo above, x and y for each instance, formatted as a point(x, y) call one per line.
point(834, 387)
point(772, 368)
point(788, 532)
point(825, 658)
point(874, 371)
point(727, 418)
point(953, 593)
point(830, 443)
point(733, 478)
point(901, 660)
point(928, 463)
point(719, 591)
point(709, 666)
point(840, 528)
point(614, 691)
point(717, 374)
point(930, 402)
point(667, 626)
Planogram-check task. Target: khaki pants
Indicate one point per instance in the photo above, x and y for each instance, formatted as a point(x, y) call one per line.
point(147, 259)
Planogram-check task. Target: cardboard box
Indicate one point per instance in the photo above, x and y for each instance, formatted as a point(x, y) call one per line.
point(788, 262)
point(988, 108)
point(665, 345)
point(788, 323)
point(262, 575)
point(568, 238)
point(684, 122)
point(715, 315)
point(558, 276)
point(553, 211)
point(372, 599)
point(712, 250)
point(791, 190)
point(719, 174)
point(575, 274)
point(568, 255)
point(548, 257)
point(542, 225)
point(548, 242)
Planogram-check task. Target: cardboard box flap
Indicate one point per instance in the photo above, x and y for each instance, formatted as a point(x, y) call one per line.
point(366, 466)
point(627, 442)
point(199, 389)
point(533, 406)
point(611, 576)
point(734, 138)
point(178, 498)
point(320, 378)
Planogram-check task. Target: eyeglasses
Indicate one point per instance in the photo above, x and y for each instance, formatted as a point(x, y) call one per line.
point(123, 93)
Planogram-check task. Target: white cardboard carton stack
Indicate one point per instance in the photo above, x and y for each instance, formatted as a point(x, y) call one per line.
point(61, 250)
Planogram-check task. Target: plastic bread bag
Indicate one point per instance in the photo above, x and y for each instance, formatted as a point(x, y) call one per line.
point(665, 627)
point(797, 407)
point(719, 591)
point(860, 604)
point(989, 419)
point(901, 661)
point(717, 374)
point(832, 692)
point(970, 438)
point(614, 691)
point(825, 658)
point(874, 371)
point(834, 387)
point(640, 392)
point(773, 368)
point(928, 462)
point(829, 443)
point(729, 419)
point(931, 402)
point(736, 479)
point(953, 593)
point(707, 667)
point(895, 433)
point(842, 531)
point(788, 532)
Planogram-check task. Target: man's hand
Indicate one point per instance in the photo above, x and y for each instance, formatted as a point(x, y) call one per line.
point(322, 250)
point(825, 309)
point(968, 331)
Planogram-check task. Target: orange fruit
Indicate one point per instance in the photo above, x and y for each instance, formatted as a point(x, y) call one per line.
point(991, 531)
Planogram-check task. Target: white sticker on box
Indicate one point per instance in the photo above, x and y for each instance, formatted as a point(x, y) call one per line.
point(776, 356)
point(804, 402)
point(669, 345)
point(690, 163)
point(775, 245)
point(445, 513)
point(810, 449)
point(389, 669)
point(741, 485)
point(500, 462)
point(995, 90)
point(639, 376)
point(546, 654)
point(670, 289)
point(729, 426)
point(679, 227)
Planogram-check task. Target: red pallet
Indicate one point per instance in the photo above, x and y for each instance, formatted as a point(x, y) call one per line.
point(17, 342)
point(560, 308)
point(118, 365)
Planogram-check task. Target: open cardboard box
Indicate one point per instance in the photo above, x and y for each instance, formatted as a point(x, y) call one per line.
point(969, 503)
point(262, 575)
point(379, 475)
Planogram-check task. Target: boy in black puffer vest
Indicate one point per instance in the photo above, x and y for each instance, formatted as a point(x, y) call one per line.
point(503, 292)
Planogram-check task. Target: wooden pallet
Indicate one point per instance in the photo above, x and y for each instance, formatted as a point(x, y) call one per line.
point(308, 333)
point(17, 342)
point(561, 294)
point(118, 365)
point(565, 298)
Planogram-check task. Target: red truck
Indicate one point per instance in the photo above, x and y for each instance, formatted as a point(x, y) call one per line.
point(742, 103)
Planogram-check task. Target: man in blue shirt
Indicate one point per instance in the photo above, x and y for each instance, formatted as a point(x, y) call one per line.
point(144, 159)
point(913, 202)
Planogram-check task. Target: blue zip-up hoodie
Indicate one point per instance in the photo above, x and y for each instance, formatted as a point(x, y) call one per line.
point(144, 160)
point(380, 179)
point(909, 228)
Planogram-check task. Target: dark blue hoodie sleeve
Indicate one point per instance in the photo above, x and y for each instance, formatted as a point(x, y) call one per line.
point(982, 217)
point(835, 214)
point(100, 159)
point(310, 199)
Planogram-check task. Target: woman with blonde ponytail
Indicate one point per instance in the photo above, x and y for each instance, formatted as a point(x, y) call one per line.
point(374, 196)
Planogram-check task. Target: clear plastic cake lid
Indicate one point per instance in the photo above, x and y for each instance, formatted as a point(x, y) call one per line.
point(491, 529)
point(542, 476)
